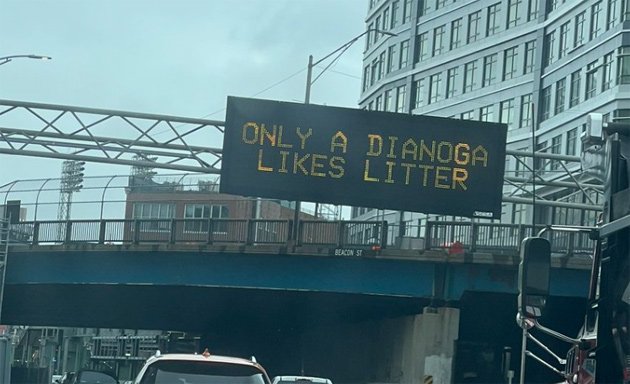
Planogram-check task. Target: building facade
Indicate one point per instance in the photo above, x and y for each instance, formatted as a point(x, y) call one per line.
point(539, 66)
point(200, 212)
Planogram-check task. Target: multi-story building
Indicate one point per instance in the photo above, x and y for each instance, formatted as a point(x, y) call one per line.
point(200, 211)
point(539, 66)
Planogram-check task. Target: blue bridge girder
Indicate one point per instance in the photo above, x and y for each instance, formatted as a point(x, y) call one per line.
point(200, 286)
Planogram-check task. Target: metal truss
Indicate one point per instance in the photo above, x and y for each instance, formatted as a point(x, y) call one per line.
point(538, 183)
point(110, 136)
point(194, 145)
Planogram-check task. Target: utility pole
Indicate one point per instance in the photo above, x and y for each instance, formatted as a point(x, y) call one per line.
point(307, 98)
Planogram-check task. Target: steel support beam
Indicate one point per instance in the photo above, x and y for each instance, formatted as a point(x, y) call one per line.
point(110, 136)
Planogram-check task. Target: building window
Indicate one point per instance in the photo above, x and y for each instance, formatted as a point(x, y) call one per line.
point(435, 82)
point(607, 72)
point(386, 19)
point(404, 54)
point(579, 29)
point(532, 10)
point(469, 76)
point(389, 101)
point(473, 27)
point(520, 167)
point(545, 108)
point(368, 39)
point(424, 7)
point(486, 113)
point(575, 89)
point(468, 115)
point(418, 97)
point(379, 102)
point(564, 40)
point(395, 6)
point(623, 66)
point(422, 47)
point(560, 94)
point(406, 11)
point(374, 71)
point(518, 212)
point(163, 211)
point(377, 26)
point(539, 162)
point(439, 4)
point(382, 63)
point(526, 111)
point(451, 78)
point(438, 40)
point(572, 142)
point(530, 55)
point(391, 59)
point(591, 80)
point(489, 70)
point(493, 19)
point(625, 10)
point(512, 16)
point(506, 112)
point(596, 22)
point(555, 149)
point(509, 63)
point(612, 17)
point(204, 211)
point(366, 78)
point(456, 27)
point(548, 46)
point(401, 96)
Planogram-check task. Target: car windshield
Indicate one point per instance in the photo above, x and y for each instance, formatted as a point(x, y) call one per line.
point(298, 381)
point(92, 377)
point(195, 372)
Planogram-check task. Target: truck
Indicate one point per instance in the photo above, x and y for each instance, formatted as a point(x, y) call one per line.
point(600, 353)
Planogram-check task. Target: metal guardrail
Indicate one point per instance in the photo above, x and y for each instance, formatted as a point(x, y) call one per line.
point(446, 235)
point(500, 238)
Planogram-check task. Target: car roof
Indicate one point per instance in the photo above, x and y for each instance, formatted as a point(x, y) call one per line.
point(202, 358)
point(297, 378)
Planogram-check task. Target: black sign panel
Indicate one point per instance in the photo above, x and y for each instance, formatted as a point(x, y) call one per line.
point(363, 158)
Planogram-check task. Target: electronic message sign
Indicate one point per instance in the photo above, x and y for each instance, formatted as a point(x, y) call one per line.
point(363, 158)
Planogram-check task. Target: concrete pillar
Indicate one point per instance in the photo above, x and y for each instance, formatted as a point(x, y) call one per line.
point(429, 346)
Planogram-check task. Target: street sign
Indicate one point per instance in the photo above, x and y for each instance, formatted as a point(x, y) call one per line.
point(363, 158)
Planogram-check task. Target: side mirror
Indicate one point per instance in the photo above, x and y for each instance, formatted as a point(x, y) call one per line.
point(533, 276)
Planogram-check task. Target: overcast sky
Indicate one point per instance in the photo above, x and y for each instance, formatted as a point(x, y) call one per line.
point(175, 57)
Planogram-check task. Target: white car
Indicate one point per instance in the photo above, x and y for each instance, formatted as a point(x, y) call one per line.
point(180, 368)
point(300, 380)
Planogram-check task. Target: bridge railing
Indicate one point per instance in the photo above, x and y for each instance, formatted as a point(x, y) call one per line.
point(343, 233)
point(446, 235)
point(136, 231)
point(500, 238)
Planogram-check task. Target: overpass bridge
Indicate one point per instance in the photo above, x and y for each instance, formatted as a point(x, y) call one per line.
point(291, 303)
point(76, 272)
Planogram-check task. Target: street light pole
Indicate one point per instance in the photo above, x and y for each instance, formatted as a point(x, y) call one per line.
point(309, 75)
point(6, 59)
point(307, 99)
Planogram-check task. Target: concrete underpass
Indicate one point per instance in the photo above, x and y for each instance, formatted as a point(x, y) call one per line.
point(350, 340)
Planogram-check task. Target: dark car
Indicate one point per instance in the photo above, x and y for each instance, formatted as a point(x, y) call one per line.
point(89, 376)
